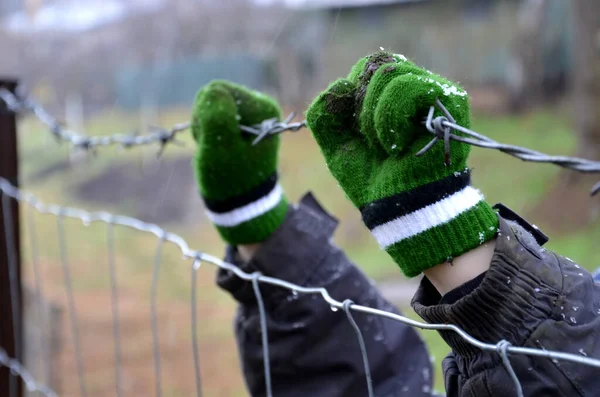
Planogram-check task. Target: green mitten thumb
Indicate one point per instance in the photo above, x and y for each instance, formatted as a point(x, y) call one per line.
point(238, 181)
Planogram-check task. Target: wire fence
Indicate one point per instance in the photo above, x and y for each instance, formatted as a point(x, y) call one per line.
point(158, 135)
point(440, 127)
point(197, 257)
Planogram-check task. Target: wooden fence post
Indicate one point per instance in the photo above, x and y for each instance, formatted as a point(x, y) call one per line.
point(10, 386)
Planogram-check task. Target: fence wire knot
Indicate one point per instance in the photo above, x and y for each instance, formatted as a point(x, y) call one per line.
point(437, 126)
point(502, 349)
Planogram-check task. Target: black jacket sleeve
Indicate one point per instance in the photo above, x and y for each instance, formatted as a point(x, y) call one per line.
point(313, 350)
point(530, 297)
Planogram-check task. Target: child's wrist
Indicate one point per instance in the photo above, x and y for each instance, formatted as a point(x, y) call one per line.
point(247, 251)
point(449, 275)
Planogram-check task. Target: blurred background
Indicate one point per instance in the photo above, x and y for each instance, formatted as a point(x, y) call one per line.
point(532, 68)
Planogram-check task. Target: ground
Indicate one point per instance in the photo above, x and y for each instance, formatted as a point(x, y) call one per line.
point(132, 183)
point(147, 188)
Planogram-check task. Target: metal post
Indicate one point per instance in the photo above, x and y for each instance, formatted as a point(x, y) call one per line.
point(9, 171)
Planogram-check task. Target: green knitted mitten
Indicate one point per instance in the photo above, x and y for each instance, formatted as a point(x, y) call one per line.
point(369, 128)
point(237, 181)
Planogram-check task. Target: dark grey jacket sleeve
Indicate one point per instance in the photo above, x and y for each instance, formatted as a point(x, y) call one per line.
point(314, 350)
point(530, 297)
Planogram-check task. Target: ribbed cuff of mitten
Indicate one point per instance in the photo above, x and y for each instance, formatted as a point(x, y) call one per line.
point(431, 224)
point(251, 217)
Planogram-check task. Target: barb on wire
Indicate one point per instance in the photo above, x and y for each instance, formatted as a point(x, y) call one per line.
point(272, 127)
point(30, 383)
point(442, 126)
point(90, 217)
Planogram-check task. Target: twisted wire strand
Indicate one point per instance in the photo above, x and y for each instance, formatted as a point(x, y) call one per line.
point(79, 141)
point(441, 127)
point(158, 135)
point(272, 127)
point(30, 383)
point(89, 217)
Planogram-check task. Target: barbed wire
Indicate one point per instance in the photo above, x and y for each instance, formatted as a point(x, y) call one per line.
point(272, 127)
point(441, 127)
point(80, 141)
point(30, 383)
point(158, 135)
point(503, 348)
